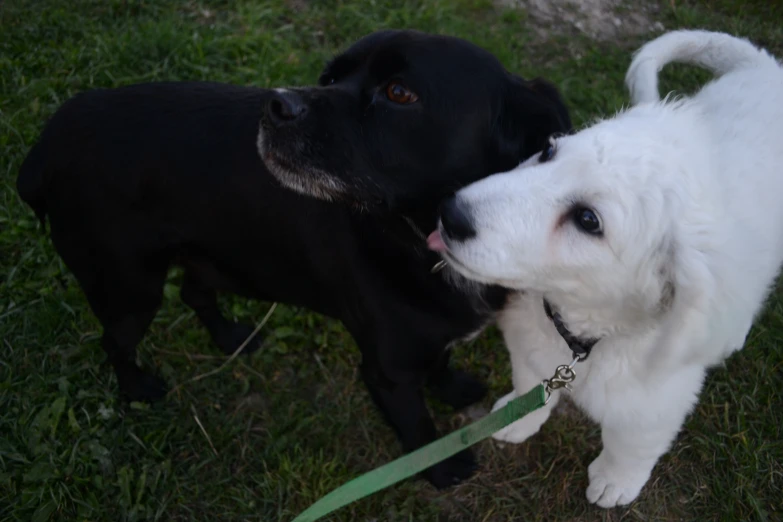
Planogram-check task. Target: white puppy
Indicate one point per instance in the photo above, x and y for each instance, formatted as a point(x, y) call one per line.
point(658, 232)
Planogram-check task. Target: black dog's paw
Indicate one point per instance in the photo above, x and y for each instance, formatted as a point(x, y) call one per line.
point(232, 335)
point(459, 389)
point(142, 387)
point(453, 470)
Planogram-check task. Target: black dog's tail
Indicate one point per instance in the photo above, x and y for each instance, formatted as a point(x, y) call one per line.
point(32, 181)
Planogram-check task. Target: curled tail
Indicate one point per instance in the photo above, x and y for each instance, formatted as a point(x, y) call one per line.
point(719, 52)
point(31, 182)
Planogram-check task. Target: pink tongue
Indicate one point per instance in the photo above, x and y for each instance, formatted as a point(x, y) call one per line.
point(435, 242)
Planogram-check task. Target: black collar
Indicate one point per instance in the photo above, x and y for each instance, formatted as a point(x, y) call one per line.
point(580, 347)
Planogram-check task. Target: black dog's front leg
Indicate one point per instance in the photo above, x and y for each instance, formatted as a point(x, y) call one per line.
point(228, 335)
point(401, 400)
point(456, 388)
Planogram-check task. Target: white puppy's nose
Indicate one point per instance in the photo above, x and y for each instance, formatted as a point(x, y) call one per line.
point(456, 219)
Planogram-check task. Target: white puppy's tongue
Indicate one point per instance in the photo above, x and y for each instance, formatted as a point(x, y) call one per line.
point(435, 242)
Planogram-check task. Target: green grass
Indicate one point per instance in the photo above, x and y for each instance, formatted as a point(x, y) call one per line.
point(292, 422)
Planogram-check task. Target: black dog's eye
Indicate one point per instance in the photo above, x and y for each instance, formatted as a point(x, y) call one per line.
point(588, 221)
point(398, 93)
point(547, 154)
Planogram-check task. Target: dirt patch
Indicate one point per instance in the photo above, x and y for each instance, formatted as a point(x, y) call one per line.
point(598, 19)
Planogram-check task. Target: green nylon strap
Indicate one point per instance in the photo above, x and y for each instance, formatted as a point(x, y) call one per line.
point(424, 457)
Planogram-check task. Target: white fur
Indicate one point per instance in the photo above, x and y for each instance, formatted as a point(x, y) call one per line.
point(307, 180)
point(688, 192)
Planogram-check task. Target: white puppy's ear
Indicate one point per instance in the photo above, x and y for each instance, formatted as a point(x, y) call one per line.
point(685, 322)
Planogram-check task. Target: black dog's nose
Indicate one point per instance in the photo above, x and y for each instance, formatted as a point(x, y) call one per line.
point(456, 220)
point(285, 107)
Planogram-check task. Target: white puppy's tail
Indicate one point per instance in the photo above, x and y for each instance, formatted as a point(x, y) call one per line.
point(719, 52)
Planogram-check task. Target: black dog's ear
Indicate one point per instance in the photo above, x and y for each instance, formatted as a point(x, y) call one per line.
point(530, 113)
point(561, 120)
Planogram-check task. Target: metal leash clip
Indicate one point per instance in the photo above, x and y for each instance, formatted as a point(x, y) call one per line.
point(563, 377)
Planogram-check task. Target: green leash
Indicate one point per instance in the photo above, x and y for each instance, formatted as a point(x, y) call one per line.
point(421, 459)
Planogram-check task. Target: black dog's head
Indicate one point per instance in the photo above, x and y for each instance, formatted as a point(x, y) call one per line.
point(405, 118)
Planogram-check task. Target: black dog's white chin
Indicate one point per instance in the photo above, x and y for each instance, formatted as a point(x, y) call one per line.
point(309, 182)
point(305, 180)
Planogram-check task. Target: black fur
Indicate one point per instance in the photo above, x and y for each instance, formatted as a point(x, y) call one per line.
point(138, 178)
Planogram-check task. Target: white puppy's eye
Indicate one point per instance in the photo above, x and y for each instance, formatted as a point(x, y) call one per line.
point(547, 154)
point(588, 221)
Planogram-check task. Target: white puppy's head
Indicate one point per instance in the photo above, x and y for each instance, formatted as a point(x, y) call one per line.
point(595, 221)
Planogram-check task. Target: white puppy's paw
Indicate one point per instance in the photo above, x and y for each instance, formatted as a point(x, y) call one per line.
point(614, 485)
point(518, 431)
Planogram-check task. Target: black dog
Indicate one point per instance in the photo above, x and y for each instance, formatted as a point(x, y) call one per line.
point(138, 178)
